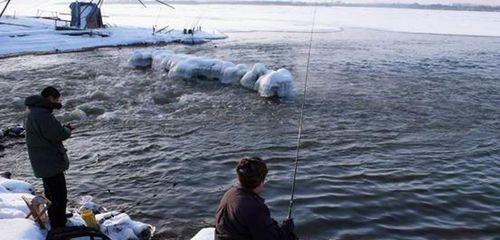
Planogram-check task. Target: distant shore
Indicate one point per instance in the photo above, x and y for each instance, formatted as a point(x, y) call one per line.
point(450, 7)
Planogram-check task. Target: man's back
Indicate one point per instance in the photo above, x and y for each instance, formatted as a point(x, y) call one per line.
point(243, 215)
point(44, 136)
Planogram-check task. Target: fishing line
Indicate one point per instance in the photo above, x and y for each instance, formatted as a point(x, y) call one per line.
point(301, 119)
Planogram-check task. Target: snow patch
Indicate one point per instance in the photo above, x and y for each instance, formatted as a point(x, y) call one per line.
point(275, 83)
point(20, 229)
point(15, 186)
point(205, 234)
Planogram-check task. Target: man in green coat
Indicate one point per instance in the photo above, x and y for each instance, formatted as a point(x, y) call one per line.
point(44, 137)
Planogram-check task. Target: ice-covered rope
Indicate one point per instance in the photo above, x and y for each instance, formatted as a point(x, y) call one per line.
point(301, 119)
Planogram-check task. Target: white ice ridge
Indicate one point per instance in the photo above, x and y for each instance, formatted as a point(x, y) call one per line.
point(268, 83)
point(14, 225)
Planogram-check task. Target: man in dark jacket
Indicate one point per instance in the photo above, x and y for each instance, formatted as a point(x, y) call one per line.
point(44, 137)
point(242, 213)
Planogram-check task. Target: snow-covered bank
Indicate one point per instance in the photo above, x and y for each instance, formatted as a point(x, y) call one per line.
point(30, 35)
point(268, 83)
point(14, 225)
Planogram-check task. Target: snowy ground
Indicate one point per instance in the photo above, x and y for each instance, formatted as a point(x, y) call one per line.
point(14, 225)
point(30, 35)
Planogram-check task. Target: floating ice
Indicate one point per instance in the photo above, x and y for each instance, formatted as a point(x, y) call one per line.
point(99, 95)
point(199, 68)
point(18, 103)
point(187, 67)
point(74, 115)
point(158, 58)
point(249, 79)
point(108, 116)
point(205, 234)
point(275, 84)
point(141, 59)
point(234, 74)
point(92, 108)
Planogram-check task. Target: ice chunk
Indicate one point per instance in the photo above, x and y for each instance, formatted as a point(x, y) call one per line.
point(16, 186)
point(268, 83)
point(122, 227)
point(141, 59)
point(199, 68)
point(233, 74)
point(205, 234)
point(20, 229)
point(108, 116)
point(249, 79)
point(197, 97)
point(259, 69)
point(158, 58)
point(92, 108)
point(74, 115)
point(99, 95)
point(18, 103)
point(276, 84)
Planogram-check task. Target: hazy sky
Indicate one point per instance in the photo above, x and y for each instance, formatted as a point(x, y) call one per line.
point(486, 2)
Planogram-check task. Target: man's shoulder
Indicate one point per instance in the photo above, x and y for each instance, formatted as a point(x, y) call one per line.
point(245, 199)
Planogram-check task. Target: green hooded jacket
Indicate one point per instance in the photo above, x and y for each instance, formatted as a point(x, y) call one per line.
point(44, 137)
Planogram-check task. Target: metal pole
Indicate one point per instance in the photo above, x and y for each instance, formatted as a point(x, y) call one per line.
point(4, 8)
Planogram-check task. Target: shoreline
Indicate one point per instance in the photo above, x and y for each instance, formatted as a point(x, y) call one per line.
point(86, 49)
point(445, 7)
point(34, 36)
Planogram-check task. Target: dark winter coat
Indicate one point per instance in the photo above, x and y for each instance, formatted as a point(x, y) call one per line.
point(243, 215)
point(44, 136)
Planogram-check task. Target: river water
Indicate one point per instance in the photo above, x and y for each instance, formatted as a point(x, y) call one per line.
point(401, 135)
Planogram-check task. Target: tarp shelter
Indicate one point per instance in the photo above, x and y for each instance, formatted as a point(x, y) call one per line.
point(85, 15)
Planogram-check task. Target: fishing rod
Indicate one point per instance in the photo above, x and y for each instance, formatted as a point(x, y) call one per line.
point(301, 119)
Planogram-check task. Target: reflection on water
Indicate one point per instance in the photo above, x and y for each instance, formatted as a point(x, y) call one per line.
point(401, 133)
